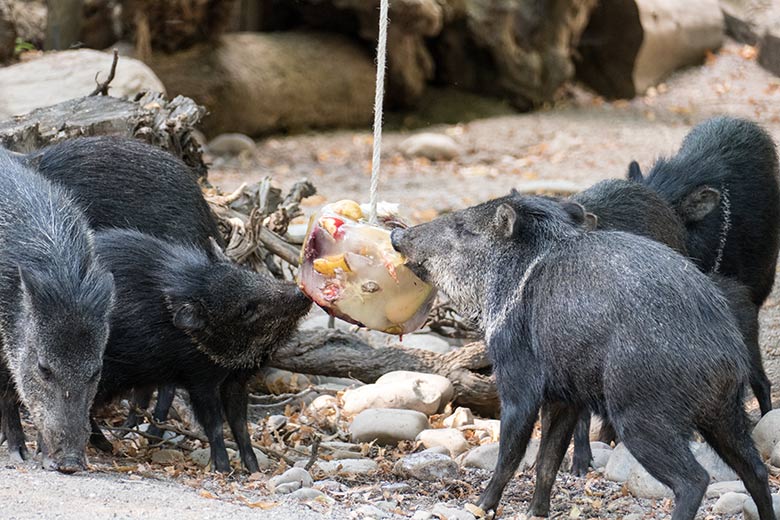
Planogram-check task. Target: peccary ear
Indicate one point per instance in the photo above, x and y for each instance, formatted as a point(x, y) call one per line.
point(505, 220)
point(189, 317)
point(216, 253)
point(578, 214)
point(591, 221)
point(634, 172)
point(699, 204)
point(30, 287)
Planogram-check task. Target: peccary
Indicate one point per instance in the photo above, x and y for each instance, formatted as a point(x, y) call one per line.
point(621, 205)
point(55, 301)
point(193, 320)
point(723, 183)
point(126, 183)
point(604, 320)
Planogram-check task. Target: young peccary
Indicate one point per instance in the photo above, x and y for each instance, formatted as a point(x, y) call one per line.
point(127, 183)
point(193, 320)
point(603, 320)
point(723, 183)
point(620, 205)
point(55, 301)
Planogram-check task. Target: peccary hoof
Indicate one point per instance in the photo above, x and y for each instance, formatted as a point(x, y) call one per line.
point(580, 467)
point(18, 455)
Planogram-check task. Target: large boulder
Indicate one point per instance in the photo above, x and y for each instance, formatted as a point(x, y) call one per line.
point(260, 83)
point(409, 62)
point(60, 76)
point(629, 46)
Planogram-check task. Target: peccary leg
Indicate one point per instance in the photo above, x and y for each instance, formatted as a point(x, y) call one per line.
point(582, 456)
point(666, 455)
point(208, 411)
point(558, 423)
point(607, 433)
point(759, 383)
point(165, 395)
point(98, 439)
point(235, 401)
point(520, 402)
point(728, 434)
point(140, 399)
point(11, 427)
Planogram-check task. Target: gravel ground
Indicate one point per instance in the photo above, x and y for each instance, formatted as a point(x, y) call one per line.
point(580, 140)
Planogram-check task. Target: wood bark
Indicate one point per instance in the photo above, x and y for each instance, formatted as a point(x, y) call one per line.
point(63, 24)
point(331, 352)
point(167, 124)
point(7, 33)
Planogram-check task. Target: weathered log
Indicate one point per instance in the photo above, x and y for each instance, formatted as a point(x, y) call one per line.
point(7, 33)
point(518, 50)
point(175, 25)
point(332, 352)
point(167, 124)
point(63, 23)
point(630, 45)
point(61, 76)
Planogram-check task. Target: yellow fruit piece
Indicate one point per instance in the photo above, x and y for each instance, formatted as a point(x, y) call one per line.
point(347, 208)
point(327, 266)
point(403, 307)
point(330, 226)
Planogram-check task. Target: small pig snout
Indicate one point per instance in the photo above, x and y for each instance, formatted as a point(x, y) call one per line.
point(396, 236)
point(71, 464)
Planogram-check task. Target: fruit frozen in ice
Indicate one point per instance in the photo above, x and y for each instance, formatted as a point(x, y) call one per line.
point(350, 269)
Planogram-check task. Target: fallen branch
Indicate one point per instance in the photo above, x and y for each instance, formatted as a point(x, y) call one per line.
point(315, 448)
point(337, 353)
point(102, 88)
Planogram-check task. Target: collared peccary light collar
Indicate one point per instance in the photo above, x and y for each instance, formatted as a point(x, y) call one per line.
point(494, 321)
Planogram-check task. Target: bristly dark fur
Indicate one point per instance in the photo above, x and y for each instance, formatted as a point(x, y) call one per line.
point(622, 205)
point(190, 319)
point(126, 183)
point(628, 206)
point(55, 299)
point(741, 238)
point(602, 320)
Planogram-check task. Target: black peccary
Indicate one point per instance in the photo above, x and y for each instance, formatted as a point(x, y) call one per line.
point(723, 183)
point(55, 301)
point(197, 321)
point(603, 320)
point(621, 205)
point(126, 183)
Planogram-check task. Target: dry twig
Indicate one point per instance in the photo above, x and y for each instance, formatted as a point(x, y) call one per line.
point(102, 88)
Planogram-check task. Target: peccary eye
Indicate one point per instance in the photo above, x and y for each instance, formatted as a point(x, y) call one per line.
point(45, 371)
point(248, 312)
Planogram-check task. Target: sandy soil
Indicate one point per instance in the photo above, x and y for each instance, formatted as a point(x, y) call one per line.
point(581, 140)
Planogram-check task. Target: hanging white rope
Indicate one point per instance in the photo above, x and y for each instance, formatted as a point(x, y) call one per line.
point(381, 59)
